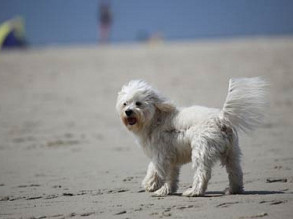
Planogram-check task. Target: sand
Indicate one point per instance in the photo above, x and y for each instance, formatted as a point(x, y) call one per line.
point(65, 154)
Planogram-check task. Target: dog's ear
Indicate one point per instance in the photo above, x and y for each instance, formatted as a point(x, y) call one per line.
point(119, 100)
point(165, 106)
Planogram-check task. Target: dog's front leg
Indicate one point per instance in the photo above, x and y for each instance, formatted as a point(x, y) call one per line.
point(171, 181)
point(152, 180)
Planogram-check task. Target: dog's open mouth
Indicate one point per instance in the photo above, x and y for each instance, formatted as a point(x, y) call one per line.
point(131, 120)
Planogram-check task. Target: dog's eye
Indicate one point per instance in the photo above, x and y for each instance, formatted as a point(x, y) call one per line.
point(124, 104)
point(138, 103)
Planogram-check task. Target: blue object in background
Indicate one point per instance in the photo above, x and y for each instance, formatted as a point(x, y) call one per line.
point(76, 21)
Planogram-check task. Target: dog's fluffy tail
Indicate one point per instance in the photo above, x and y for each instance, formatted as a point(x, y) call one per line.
point(245, 103)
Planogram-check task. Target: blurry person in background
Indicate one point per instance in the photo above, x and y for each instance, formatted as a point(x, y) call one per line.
point(105, 20)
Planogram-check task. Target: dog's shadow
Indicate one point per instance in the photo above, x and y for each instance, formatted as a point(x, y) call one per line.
point(221, 193)
point(262, 192)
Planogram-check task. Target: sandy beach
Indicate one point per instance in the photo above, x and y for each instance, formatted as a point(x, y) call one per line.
point(65, 154)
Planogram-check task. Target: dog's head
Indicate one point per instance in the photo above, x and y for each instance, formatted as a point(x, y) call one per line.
point(137, 104)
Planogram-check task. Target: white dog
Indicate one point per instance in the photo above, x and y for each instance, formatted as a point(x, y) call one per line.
point(172, 136)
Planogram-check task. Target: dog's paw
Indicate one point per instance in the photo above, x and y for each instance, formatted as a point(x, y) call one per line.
point(151, 187)
point(234, 191)
point(163, 191)
point(192, 192)
point(152, 184)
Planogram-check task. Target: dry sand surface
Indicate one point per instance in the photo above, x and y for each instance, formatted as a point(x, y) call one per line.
point(65, 154)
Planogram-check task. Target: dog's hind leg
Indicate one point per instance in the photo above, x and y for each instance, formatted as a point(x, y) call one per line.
point(204, 155)
point(152, 180)
point(200, 181)
point(173, 178)
point(233, 167)
point(171, 181)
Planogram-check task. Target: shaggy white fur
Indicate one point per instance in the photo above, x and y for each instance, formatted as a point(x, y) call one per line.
point(172, 136)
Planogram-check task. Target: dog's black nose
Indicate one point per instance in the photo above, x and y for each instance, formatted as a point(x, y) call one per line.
point(128, 112)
